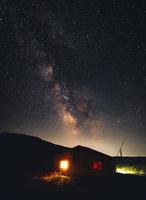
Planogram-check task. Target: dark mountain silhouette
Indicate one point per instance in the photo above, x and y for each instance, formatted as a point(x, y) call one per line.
point(22, 157)
point(22, 151)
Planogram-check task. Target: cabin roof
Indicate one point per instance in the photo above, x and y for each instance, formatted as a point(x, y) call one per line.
point(89, 150)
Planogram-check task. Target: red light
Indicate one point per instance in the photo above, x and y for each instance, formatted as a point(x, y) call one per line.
point(97, 165)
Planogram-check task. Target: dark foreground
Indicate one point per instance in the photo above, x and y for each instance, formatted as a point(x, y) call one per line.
point(23, 157)
point(116, 187)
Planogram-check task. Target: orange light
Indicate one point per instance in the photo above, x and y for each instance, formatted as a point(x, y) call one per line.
point(64, 165)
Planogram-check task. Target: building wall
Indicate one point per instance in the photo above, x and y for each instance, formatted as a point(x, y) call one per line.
point(81, 163)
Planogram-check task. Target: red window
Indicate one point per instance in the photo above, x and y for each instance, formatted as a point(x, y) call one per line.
point(97, 165)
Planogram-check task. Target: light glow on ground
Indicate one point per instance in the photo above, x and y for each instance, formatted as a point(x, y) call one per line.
point(130, 170)
point(56, 178)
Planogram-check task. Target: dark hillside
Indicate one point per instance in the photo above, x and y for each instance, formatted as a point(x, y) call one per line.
point(22, 155)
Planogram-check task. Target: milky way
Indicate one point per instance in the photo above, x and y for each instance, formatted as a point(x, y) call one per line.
point(74, 72)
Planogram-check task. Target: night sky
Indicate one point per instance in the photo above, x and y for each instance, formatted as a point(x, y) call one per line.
point(74, 72)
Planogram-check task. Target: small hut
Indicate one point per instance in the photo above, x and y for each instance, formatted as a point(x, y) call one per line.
point(83, 161)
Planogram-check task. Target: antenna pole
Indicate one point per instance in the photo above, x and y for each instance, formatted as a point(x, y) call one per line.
point(120, 150)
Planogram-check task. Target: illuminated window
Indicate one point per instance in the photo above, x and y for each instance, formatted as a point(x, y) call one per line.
point(64, 165)
point(97, 165)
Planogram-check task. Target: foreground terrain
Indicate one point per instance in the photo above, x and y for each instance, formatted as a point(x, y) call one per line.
point(25, 174)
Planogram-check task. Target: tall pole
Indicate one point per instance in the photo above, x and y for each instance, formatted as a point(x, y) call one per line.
point(120, 150)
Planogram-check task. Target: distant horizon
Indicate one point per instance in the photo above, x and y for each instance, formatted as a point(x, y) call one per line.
point(70, 146)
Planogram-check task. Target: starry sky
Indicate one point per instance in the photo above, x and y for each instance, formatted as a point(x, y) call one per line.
point(74, 72)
